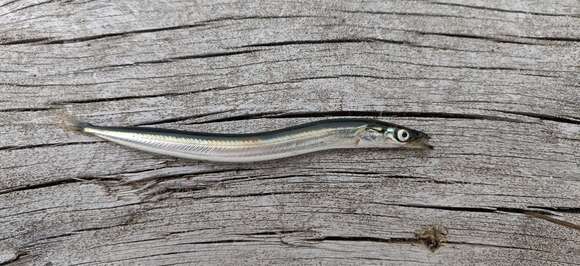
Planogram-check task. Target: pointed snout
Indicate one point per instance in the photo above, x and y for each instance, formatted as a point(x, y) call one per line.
point(427, 146)
point(423, 142)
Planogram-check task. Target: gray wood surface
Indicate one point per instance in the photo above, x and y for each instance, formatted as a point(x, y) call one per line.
point(496, 83)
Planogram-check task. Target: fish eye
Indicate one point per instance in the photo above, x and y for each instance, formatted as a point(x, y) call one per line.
point(403, 135)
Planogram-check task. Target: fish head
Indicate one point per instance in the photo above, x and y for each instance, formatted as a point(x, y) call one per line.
point(394, 136)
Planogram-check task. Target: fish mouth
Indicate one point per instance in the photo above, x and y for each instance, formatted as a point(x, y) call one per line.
point(423, 143)
point(427, 146)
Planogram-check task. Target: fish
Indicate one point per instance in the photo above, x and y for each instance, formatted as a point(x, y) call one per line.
point(328, 134)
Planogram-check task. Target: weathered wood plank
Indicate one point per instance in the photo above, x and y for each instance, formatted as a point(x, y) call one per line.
point(496, 84)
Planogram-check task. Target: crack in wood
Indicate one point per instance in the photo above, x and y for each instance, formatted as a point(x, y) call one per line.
point(28, 6)
point(379, 40)
point(273, 233)
point(491, 245)
point(237, 18)
point(261, 178)
point(166, 177)
point(364, 239)
point(35, 211)
point(575, 210)
point(247, 195)
point(326, 41)
point(550, 38)
point(181, 118)
point(503, 10)
point(373, 12)
point(47, 145)
point(433, 237)
point(23, 41)
point(196, 56)
point(559, 119)
point(490, 68)
point(52, 183)
point(49, 41)
point(545, 211)
point(174, 59)
point(445, 208)
point(54, 237)
point(249, 116)
point(114, 99)
point(9, 3)
point(117, 34)
point(377, 114)
point(98, 228)
point(432, 180)
point(22, 110)
point(57, 84)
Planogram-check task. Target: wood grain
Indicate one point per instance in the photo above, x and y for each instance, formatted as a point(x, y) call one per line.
point(496, 83)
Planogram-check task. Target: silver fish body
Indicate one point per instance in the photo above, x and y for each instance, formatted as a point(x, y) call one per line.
point(263, 146)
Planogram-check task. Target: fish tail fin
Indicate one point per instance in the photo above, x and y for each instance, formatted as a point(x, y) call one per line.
point(71, 123)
